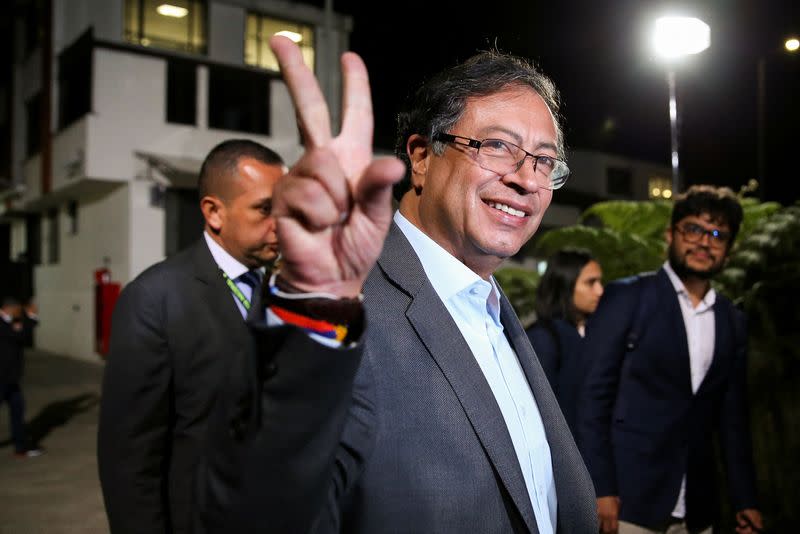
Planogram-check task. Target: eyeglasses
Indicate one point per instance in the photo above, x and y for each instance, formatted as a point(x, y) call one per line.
point(693, 233)
point(504, 157)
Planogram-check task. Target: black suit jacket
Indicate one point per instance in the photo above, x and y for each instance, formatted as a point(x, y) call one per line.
point(175, 330)
point(11, 354)
point(640, 426)
point(415, 442)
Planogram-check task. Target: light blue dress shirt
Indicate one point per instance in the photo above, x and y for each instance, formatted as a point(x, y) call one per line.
point(233, 268)
point(474, 305)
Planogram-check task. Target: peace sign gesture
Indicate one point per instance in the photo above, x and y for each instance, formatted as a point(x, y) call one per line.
point(333, 208)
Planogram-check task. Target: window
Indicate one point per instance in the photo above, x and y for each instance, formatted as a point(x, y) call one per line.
point(619, 181)
point(33, 238)
point(72, 214)
point(171, 24)
point(33, 125)
point(658, 187)
point(181, 92)
point(258, 30)
point(75, 81)
point(238, 100)
point(183, 219)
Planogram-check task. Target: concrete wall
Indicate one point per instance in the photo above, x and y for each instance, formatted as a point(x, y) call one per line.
point(65, 290)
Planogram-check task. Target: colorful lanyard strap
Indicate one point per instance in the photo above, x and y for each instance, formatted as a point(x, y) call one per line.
point(236, 291)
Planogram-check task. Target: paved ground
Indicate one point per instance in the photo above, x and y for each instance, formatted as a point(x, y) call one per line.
point(57, 493)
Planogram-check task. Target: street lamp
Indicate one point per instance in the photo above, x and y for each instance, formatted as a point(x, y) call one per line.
point(674, 38)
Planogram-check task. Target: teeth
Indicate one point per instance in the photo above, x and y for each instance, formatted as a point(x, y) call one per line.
point(506, 209)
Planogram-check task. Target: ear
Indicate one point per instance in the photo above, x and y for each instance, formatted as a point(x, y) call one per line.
point(213, 209)
point(418, 150)
point(668, 235)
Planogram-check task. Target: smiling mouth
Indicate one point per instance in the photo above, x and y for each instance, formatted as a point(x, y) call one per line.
point(507, 209)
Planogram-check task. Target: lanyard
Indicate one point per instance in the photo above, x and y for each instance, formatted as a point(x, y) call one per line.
point(236, 291)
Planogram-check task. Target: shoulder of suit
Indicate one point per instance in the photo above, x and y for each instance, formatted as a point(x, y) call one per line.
point(168, 269)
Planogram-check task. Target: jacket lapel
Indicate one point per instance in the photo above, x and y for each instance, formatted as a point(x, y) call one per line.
point(675, 329)
point(209, 282)
point(440, 335)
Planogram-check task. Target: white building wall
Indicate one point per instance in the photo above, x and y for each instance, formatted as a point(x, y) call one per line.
point(19, 239)
point(65, 290)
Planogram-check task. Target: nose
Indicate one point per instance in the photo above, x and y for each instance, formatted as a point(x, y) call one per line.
point(524, 179)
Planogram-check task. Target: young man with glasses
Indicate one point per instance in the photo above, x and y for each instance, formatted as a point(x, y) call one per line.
point(433, 414)
point(669, 370)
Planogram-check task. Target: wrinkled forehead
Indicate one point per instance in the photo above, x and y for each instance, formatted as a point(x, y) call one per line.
point(516, 108)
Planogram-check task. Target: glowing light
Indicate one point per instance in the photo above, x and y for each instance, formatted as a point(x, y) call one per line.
point(168, 10)
point(656, 192)
point(666, 193)
point(294, 36)
point(792, 45)
point(680, 36)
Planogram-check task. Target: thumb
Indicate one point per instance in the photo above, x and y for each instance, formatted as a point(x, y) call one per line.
point(374, 190)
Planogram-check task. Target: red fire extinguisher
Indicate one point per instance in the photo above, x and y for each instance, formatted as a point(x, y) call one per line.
point(106, 293)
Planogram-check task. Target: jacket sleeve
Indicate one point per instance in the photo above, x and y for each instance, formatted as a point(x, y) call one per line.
point(274, 460)
point(133, 434)
point(605, 345)
point(735, 424)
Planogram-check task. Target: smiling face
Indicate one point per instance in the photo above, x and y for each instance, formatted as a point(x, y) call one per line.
point(477, 215)
point(700, 259)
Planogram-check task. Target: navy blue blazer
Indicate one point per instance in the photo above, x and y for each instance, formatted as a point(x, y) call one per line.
point(560, 351)
point(640, 427)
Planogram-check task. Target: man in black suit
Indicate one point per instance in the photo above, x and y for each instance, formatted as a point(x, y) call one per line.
point(176, 329)
point(669, 371)
point(439, 418)
point(14, 329)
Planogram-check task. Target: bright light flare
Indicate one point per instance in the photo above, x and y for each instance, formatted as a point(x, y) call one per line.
point(680, 36)
point(168, 10)
point(792, 45)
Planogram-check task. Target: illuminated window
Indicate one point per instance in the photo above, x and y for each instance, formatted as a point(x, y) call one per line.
point(260, 28)
point(659, 188)
point(171, 24)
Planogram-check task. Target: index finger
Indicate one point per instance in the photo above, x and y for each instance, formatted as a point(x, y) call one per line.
point(309, 104)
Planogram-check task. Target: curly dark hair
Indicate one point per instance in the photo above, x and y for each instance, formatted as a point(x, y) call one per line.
point(720, 203)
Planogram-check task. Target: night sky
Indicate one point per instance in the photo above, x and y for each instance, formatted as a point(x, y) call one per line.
point(614, 90)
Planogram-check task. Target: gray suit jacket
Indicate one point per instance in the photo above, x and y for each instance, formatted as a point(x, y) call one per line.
point(423, 445)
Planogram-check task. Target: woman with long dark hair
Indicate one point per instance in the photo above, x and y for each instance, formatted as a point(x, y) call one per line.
point(566, 296)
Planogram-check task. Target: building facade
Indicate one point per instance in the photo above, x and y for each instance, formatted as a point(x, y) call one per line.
point(113, 106)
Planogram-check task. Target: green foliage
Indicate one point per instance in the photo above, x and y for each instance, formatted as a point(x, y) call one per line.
point(620, 254)
point(762, 276)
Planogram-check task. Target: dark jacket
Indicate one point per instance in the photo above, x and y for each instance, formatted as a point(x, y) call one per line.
point(559, 347)
point(640, 426)
point(414, 442)
point(176, 330)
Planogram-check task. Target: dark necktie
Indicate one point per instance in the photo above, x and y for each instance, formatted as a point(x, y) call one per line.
point(253, 280)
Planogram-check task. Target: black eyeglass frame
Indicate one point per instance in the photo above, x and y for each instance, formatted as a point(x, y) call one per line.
point(693, 233)
point(555, 183)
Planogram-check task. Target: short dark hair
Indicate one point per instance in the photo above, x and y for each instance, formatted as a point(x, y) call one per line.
point(720, 203)
point(440, 101)
point(221, 163)
point(554, 294)
point(8, 301)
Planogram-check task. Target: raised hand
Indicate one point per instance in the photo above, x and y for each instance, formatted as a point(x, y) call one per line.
point(333, 208)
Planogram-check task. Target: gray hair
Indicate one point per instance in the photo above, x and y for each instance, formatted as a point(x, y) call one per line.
point(439, 103)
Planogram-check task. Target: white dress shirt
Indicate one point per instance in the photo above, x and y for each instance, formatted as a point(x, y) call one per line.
point(474, 305)
point(233, 268)
point(700, 335)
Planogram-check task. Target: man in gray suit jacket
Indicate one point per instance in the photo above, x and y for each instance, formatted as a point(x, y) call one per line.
point(176, 328)
point(433, 415)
